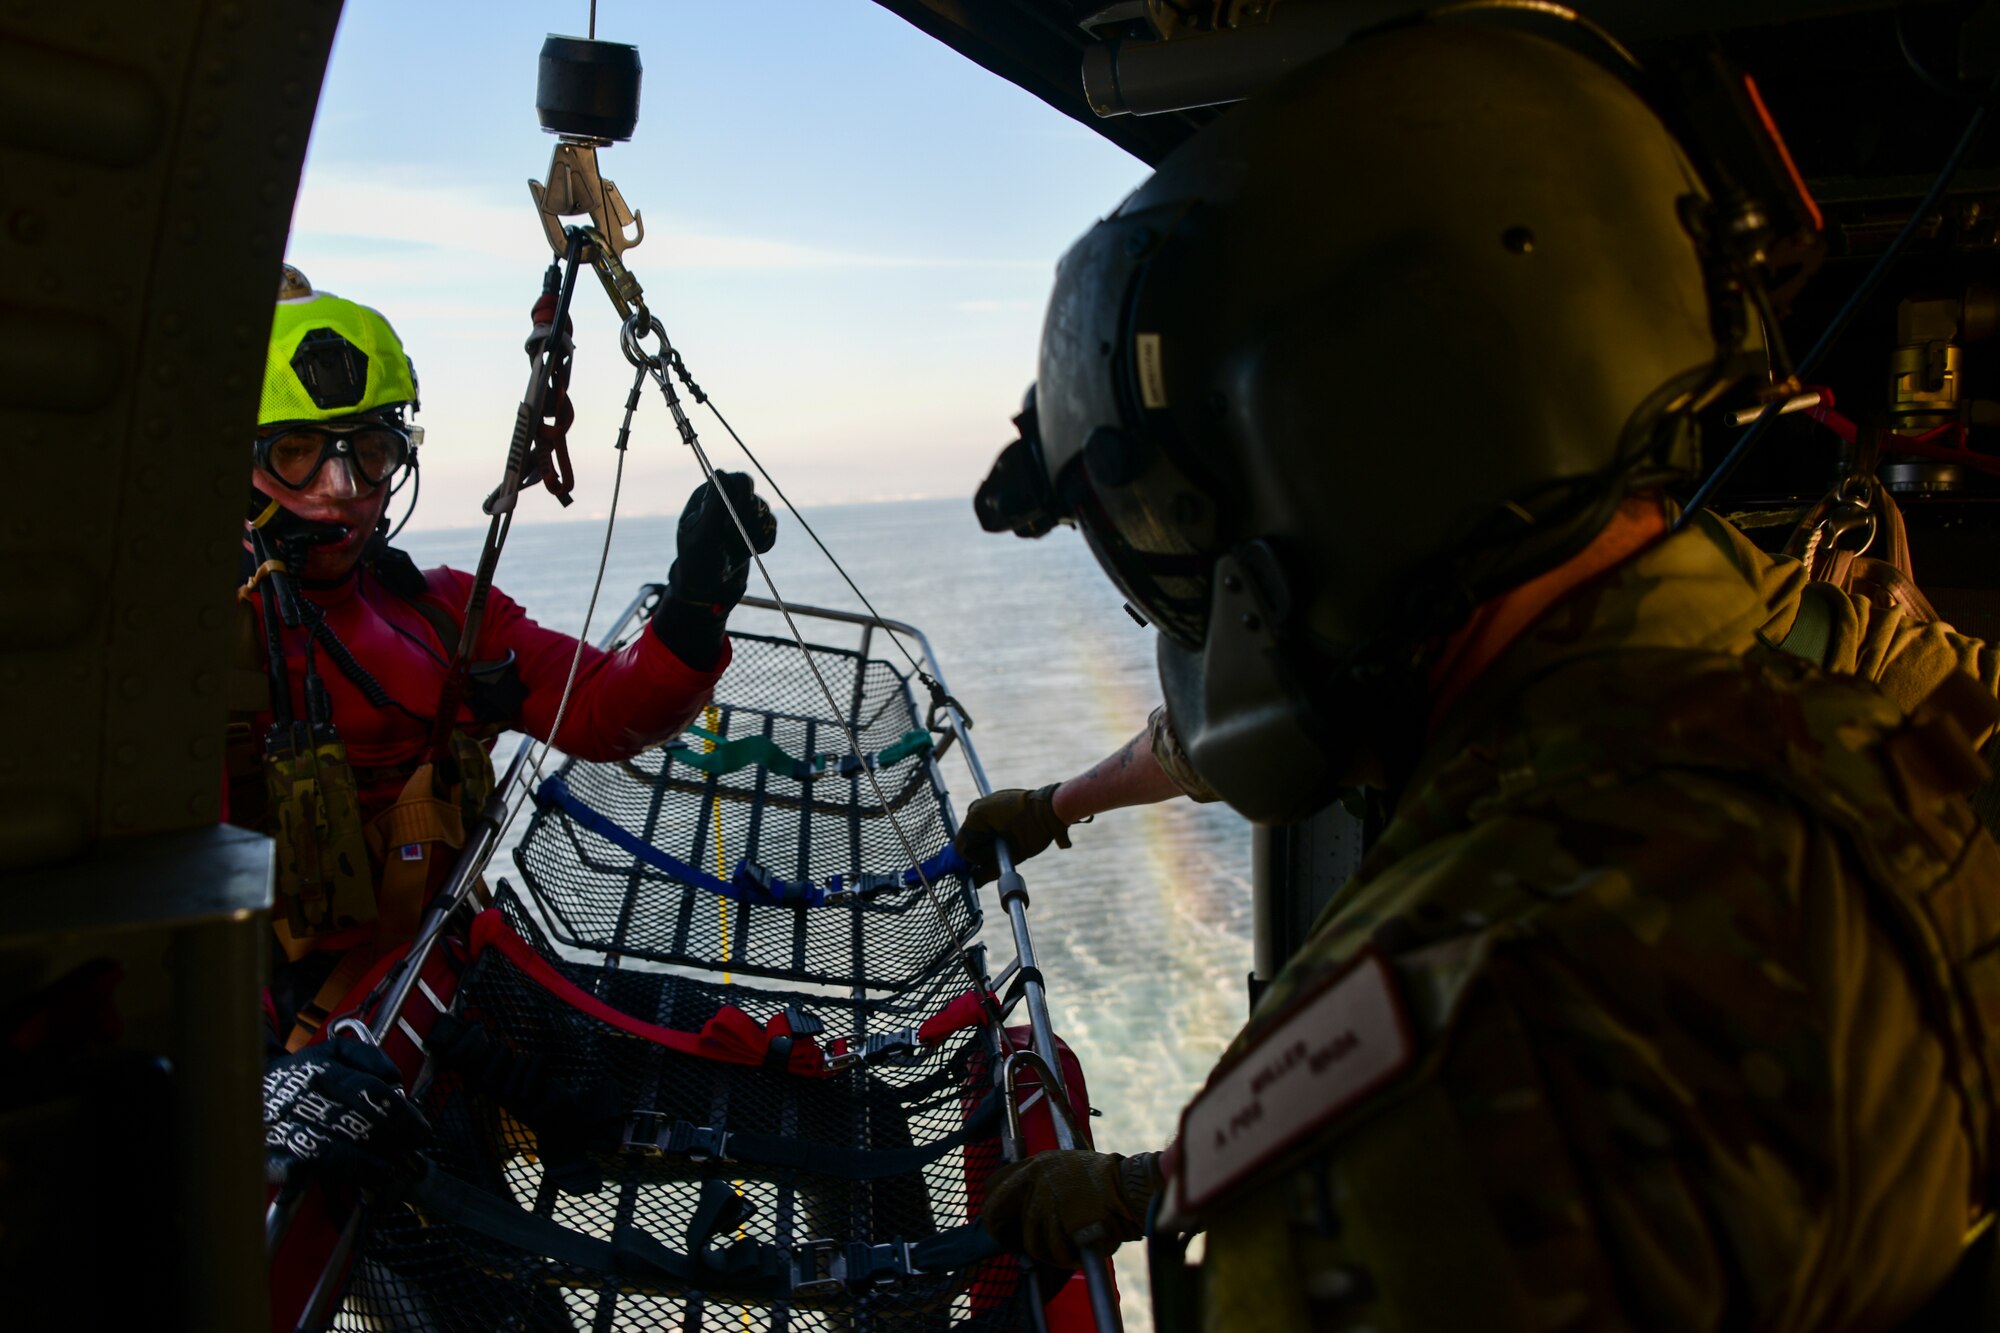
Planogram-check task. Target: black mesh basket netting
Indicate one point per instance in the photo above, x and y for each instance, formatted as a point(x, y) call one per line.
point(415, 1272)
point(597, 896)
point(893, 959)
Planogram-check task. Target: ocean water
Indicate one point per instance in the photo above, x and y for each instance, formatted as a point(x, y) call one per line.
point(1143, 926)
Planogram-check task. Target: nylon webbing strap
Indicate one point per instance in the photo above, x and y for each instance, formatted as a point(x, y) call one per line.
point(650, 1135)
point(746, 1268)
point(752, 883)
point(1812, 628)
point(729, 756)
point(731, 1036)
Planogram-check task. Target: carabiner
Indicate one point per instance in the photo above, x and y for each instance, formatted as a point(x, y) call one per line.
point(640, 323)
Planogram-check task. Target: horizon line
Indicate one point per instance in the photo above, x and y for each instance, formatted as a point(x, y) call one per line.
point(558, 520)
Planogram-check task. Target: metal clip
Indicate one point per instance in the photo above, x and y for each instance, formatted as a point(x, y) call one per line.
point(575, 187)
point(861, 887)
point(649, 1134)
point(819, 1268)
point(624, 290)
point(879, 1265)
point(898, 1046)
point(828, 1268)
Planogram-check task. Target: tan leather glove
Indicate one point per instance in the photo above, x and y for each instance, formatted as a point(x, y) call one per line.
point(1054, 1204)
point(1026, 819)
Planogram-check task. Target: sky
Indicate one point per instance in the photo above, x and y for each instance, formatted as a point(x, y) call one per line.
point(850, 235)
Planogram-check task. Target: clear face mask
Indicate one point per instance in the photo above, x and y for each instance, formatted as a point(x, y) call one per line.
point(336, 480)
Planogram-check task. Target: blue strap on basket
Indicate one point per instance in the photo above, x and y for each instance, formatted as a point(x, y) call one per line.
point(752, 883)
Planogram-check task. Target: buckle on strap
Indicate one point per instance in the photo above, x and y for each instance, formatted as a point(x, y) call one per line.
point(802, 1021)
point(650, 1134)
point(862, 886)
point(829, 1268)
point(898, 1046)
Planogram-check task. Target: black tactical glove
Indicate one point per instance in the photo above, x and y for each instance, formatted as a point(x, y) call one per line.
point(711, 570)
point(338, 1110)
point(1026, 819)
point(1055, 1204)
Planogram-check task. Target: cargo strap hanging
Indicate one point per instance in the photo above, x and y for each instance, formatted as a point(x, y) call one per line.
point(751, 883)
point(745, 1269)
point(548, 456)
point(729, 756)
point(784, 1041)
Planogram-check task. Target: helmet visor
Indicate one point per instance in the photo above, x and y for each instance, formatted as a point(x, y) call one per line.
point(295, 453)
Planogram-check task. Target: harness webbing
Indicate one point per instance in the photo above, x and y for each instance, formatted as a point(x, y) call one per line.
point(731, 1036)
point(751, 1269)
point(652, 1135)
point(729, 756)
point(751, 883)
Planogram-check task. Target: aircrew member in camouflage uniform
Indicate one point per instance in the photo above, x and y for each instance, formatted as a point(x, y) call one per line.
point(1849, 635)
point(1670, 997)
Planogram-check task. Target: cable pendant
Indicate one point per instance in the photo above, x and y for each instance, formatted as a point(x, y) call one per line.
point(680, 368)
point(630, 340)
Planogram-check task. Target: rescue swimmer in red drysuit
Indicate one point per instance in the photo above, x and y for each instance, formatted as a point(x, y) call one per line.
point(367, 825)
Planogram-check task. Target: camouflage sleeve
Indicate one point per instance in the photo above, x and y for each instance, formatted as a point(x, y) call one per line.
point(1690, 1086)
point(1740, 1057)
point(1173, 760)
point(1760, 1121)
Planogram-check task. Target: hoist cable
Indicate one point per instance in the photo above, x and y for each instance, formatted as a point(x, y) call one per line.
point(673, 357)
point(1845, 316)
point(657, 365)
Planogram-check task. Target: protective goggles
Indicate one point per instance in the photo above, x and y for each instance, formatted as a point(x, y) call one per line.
point(294, 453)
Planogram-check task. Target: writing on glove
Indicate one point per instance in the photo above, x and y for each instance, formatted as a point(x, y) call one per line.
point(337, 1111)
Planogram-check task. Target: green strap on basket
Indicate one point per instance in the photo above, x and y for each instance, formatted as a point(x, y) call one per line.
point(730, 756)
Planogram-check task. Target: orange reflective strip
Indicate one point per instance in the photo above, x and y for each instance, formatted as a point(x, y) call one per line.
point(1784, 153)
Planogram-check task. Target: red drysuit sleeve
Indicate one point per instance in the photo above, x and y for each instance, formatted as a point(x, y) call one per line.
point(623, 701)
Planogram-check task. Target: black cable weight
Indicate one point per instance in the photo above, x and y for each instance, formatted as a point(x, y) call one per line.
point(588, 89)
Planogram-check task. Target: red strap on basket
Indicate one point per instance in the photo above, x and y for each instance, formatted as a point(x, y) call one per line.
point(967, 1011)
point(732, 1036)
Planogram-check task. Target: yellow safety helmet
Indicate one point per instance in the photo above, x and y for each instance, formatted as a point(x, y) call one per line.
point(330, 357)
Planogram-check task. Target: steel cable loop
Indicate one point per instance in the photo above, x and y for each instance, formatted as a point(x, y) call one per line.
point(673, 359)
point(636, 326)
point(689, 437)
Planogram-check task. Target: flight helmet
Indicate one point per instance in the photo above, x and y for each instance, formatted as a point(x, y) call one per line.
point(1391, 338)
point(331, 358)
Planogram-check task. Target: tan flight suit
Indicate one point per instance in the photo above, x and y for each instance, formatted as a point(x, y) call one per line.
point(1699, 953)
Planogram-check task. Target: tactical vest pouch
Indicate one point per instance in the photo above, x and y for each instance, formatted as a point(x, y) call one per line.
point(323, 881)
point(475, 776)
